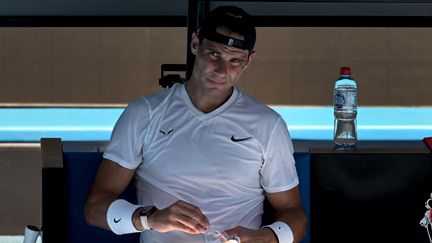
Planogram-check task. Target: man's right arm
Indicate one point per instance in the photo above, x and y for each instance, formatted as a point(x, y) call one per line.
point(111, 180)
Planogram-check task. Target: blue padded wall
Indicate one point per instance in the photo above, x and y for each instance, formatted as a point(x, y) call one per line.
point(80, 170)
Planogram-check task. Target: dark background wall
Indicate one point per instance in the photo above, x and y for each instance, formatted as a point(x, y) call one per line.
point(92, 7)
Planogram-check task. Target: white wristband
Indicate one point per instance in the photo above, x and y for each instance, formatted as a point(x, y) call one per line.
point(282, 231)
point(144, 222)
point(119, 217)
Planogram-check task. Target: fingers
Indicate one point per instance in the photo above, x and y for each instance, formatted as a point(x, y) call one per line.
point(233, 232)
point(183, 227)
point(190, 211)
point(179, 216)
point(190, 223)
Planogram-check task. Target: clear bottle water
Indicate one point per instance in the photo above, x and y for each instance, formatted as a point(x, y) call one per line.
point(345, 111)
point(216, 235)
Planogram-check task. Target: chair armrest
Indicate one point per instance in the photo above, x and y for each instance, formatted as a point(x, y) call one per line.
point(52, 154)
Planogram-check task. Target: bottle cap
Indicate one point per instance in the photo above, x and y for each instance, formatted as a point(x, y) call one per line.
point(345, 71)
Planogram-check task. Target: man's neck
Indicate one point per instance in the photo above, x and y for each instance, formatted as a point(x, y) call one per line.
point(204, 101)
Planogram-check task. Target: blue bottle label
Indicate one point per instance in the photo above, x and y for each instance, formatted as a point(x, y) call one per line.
point(345, 99)
point(339, 100)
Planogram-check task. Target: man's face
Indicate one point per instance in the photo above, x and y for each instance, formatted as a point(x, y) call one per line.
point(217, 66)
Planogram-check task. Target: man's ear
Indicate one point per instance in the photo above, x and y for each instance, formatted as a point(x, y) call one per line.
point(250, 58)
point(194, 43)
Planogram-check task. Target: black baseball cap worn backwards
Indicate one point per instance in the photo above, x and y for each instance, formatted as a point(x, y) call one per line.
point(234, 19)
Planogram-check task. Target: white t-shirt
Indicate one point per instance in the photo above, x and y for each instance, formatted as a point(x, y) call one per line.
point(221, 162)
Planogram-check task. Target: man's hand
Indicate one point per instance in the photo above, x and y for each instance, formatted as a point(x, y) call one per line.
point(181, 216)
point(264, 235)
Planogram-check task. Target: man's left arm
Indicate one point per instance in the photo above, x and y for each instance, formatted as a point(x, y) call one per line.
point(288, 209)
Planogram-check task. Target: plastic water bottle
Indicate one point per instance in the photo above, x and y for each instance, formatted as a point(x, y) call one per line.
point(345, 111)
point(216, 235)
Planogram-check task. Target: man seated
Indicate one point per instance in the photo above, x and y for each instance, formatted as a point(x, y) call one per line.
point(203, 154)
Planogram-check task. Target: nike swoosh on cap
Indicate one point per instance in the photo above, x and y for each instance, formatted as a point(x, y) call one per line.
point(117, 220)
point(239, 139)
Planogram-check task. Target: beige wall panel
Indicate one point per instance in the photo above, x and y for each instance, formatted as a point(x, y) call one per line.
point(313, 87)
point(26, 63)
point(293, 66)
point(73, 43)
point(412, 87)
point(410, 44)
point(26, 43)
point(85, 65)
point(373, 82)
point(20, 184)
point(364, 44)
point(25, 79)
point(274, 43)
point(316, 44)
point(271, 83)
point(2, 56)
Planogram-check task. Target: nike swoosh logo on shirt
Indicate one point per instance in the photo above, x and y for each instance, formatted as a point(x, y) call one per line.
point(239, 139)
point(117, 220)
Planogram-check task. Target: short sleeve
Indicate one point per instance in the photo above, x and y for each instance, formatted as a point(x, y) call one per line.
point(127, 138)
point(279, 172)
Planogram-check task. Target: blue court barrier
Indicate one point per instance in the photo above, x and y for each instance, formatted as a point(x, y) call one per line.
point(304, 123)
